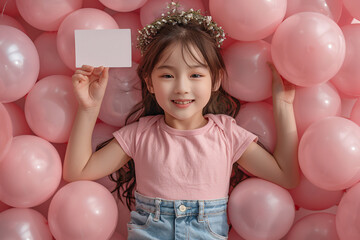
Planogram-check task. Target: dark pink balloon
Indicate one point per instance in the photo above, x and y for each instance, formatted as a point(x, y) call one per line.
point(353, 6)
point(233, 235)
point(123, 5)
point(319, 226)
point(130, 20)
point(355, 113)
point(348, 214)
point(261, 210)
point(11, 22)
point(3, 206)
point(23, 223)
point(248, 20)
point(9, 7)
point(314, 103)
point(6, 130)
point(308, 48)
point(249, 75)
point(82, 210)
point(45, 43)
point(93, 4)
point(329, 153)
point(50, 108)
point(19, 66)
point(46, 15)
point(346, 80)
point(307, 195)
point(154, 8)
point(85, 18)
point(17, 116)
point(345, 18)
point(330, 8)
point(121, 95)
point(36, 166)
point(258, 118)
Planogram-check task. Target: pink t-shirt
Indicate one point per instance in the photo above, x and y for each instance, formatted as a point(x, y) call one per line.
point(184, 164)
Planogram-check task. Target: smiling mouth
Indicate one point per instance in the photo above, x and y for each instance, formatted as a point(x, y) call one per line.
point(182, 102)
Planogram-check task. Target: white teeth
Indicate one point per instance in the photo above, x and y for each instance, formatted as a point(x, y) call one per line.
point(181, 102)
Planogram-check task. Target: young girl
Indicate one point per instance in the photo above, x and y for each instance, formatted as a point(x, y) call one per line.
point(183, 138)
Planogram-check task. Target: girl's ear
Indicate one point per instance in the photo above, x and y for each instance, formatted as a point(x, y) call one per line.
point(149, 85)
point(218, 81)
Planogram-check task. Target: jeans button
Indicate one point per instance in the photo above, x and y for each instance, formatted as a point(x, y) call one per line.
point(182, 208)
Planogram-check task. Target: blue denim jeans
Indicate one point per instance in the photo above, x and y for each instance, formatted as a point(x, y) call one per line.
point(157, 218)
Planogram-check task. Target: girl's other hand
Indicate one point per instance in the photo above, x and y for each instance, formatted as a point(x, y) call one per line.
point(282, 90)
point(89, 85)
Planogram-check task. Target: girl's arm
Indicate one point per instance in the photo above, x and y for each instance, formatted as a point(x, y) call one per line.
point(80, 163)
point(282, 167)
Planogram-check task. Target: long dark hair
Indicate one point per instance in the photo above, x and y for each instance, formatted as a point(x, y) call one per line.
point(189, 35)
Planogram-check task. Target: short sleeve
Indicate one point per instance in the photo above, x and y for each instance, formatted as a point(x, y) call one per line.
point(126, 137)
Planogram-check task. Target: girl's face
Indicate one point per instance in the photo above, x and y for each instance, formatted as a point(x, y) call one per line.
point(182, 87)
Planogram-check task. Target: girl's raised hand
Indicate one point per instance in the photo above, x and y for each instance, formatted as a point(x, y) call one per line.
point(89, 86)
point(281, 90)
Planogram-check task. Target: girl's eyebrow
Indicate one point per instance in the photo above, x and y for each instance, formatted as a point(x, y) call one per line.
point(172, 67)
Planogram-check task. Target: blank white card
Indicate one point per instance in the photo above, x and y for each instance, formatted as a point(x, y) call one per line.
point(103, 47)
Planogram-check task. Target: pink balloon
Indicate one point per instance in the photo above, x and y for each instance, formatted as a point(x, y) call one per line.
point(22, 223)
point(248, 20)
point(130, 20)
point(234, 236)
point(9, 21)
point(249, 75)
point(302, 212)
point(347, 105)
point(47, 49)
point(123, 5)
point(348, 214)
point(6, 131)
point(319, 226)
point(330, 8)
point(117, 236)
point(3, 206)
point(19, 67)
point(93, 4)
point(314, 103)
point(308, 48)
point(346, 80)
point(85, 18)
point(258, 118)
point(259, 209)
point(307, 195)
point(50, 108)
point(121, 95)
point(36, 166)
point(329, 153)
point(355, 113)
point(17, 116)
point(31, 32)
point(154, 8)
point(9, 7)
point(345, 18)
point(82, 210)
point(46, 15)
point(353, 6)
point(101, 133)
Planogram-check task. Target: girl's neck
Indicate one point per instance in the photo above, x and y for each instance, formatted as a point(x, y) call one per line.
point(186, 124)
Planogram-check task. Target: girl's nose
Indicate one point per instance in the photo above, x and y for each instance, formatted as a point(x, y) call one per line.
point(182, 85)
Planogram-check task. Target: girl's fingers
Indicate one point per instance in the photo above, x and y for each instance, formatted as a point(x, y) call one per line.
point(98, 70)
point(104, 75)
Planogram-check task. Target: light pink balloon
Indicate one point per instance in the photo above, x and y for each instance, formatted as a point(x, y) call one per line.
point(19, 66)
point(353, 6)
point(82, 210)
point(154, 8)
point(248, 20)
point(258, 118)
point(120, 96)
point(50, 62)
point(50, 108)
point(23, 223)
point(330, 8)
point(348, 214)
point(308, 48)
point(329, 153)
point(249, 75)
point(307, 195)
point(36, 166)
point(46, 15)
point(6, 130)
point(11, 22)
point(346, 80)
point(9, 7)
point(85, 18)
point(319, 226)
point(259, 209)
point(123, 5)
point(314, 103)
point(17, 116)
point(130, 20)
point(101, 133)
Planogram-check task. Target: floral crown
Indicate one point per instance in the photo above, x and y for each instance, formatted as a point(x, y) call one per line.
point(174, 17)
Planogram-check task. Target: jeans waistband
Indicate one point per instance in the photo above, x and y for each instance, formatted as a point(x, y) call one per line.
point(180, 208)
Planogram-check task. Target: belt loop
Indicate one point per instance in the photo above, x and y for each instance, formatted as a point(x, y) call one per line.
point(201, 211)
point(157, 210)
